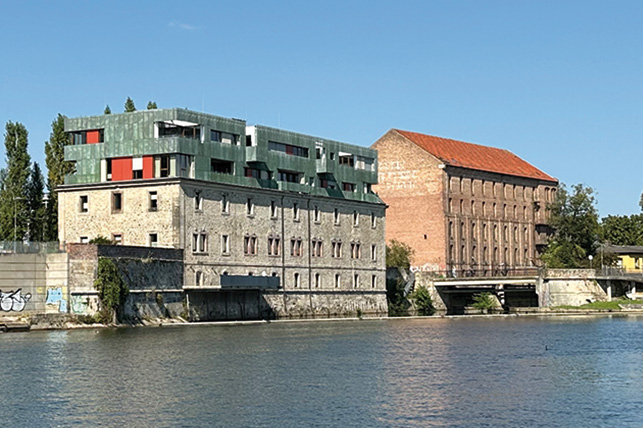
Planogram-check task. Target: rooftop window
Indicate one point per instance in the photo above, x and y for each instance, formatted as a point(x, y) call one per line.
point(179, 128)
point(87, 137)
point(224, 137)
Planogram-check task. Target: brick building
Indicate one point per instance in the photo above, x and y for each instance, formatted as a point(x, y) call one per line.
point(252, 207)
point(462, 207)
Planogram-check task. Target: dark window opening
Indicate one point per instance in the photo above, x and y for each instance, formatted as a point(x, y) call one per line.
point(289, 176)
point(165, 166)
point(288, 149)
point(171, 130)
point(224, 137)
point(221, 166)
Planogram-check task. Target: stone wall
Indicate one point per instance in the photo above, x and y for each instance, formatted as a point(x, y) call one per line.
point(573, 287)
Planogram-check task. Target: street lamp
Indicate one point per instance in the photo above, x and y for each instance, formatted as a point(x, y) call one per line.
point(591, 265)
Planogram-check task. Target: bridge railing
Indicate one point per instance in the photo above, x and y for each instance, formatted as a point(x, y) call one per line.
point(618, 271)
point(485, 272)
point(22, 247)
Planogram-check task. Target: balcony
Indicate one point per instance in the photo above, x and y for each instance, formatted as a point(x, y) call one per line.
point(325, 166)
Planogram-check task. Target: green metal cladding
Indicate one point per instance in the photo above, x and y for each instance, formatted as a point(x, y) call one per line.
point(133, 135)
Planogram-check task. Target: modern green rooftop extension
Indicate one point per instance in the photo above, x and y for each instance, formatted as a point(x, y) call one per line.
point(153, 144)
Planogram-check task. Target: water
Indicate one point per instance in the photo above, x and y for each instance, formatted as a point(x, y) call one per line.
point(500, 372)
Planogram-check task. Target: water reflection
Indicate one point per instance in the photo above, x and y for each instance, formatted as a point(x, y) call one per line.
point(501, 372)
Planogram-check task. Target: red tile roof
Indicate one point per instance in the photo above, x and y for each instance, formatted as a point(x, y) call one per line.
point(475, 156)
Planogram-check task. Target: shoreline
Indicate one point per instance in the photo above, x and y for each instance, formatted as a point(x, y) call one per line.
point(66, 322)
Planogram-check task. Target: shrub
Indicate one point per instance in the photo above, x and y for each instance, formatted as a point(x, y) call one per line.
point(112, 291)
point(483, 301)
point(423, 301)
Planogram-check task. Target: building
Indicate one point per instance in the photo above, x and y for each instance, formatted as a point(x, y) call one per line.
point(629, 258)
point(254, 208)
point(464, 208)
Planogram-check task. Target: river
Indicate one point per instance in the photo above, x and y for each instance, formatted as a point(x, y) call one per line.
point(465, 372)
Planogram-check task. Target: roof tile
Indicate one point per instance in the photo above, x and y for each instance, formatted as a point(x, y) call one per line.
point(475, 156)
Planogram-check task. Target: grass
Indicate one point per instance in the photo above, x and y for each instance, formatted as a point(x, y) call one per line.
point(613, 305)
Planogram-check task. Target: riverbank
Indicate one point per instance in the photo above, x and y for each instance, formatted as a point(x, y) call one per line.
point(71, 322)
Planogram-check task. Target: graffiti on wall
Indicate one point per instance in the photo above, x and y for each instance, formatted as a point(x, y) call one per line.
point(55, 297)
point(14, 300)
point(79, 304)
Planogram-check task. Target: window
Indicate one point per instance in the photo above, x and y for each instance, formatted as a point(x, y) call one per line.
point(317, 214)
point(327, 184)
point(346, 159)
point(84, 240)
point(373, 281)
point(295, 211)
point(153, 239)
point(338, 281)
point(373, 221)
point(225, 204)
point(87, 137)
point(168, 129)
point(288, 149)
point(348, 187)
point(289, 176)
point(198, 201)
point(224, 137)
point(164, 170)
point(336, 216)
point(221, 166)
point(364, 163)
point(117, 202)
point(296, 247)
point(153, 201)
point(274, 246)
point(198, 278)
point(225, 244)
point(355, 218)
point(259, 174)
point(84, 204)
point(250, 245)
point(356, 281)
point(317, 280)
point(356, 250)
point(374, 252)
point(317, 247)
point(250, 208)
point(137, 168)
point(117, 238)
point(337, 249)
point(273, 209)
point(296, 280)
point(200, 242)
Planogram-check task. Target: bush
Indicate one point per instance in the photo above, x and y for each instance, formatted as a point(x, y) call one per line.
point(423, 301)
point(483, 301)
point(112, 291)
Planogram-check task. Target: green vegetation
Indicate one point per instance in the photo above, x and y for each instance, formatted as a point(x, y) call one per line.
point(398, 305)
point(101, 240)
point(423, 301)
point(613, 305)
point(484, 301)
point(107, 110)
point(399, 255)
point(151, 105)
point(57, 168)
point(575, 221)
point(129, 105)
point(112, 291)
point(14, 211)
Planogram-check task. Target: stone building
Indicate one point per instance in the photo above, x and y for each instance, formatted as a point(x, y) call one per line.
point(464, 208)
point(254, 208)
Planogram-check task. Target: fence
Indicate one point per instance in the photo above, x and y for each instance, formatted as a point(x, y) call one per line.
point(21, 247)
point(490, 271)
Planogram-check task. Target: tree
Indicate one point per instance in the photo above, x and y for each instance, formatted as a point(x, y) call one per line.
point(107, 110)
point(423, 301)
point(575, 222)
point(57, 169)
point(129, 105)
point(35, 205)
point(622, 230)
point(399, 254)
point(641, 201)
point(151, 105)
point(13, 205)
point(112, 291)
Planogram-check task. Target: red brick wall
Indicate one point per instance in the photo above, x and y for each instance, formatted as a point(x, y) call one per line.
point(411, 184)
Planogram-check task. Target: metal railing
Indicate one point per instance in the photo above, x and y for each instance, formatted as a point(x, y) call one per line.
point(490, 271)
point(21, 247)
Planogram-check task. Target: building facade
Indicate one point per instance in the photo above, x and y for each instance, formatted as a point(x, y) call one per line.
point(253, 207)
point(464, 208)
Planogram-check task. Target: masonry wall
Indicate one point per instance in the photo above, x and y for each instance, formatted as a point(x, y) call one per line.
point(573, 287)
point(133, 223)
point(412, 185)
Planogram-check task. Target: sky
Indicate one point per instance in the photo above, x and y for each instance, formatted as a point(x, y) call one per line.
point(559, 83)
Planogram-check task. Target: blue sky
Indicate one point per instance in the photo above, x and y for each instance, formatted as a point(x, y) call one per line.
point(559, 83)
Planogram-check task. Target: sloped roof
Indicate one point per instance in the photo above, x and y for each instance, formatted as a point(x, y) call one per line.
point(475, 156)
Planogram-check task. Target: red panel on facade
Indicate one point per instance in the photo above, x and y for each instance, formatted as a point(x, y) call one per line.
point(93, 137)
point(148, 166)
point(121, 169)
